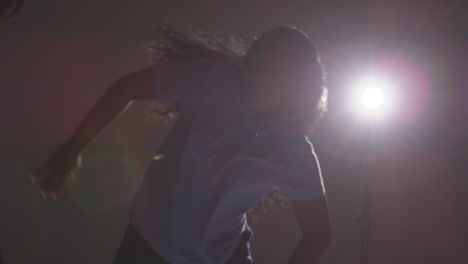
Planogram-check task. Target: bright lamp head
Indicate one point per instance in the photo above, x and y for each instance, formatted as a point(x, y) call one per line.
point(371, 95)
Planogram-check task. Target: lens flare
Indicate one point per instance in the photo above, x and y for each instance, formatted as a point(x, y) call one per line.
point(158, 157)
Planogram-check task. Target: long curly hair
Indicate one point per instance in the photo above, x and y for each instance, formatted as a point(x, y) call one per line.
point(174, 42)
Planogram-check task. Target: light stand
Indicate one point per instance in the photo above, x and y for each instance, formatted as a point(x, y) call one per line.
point(371, 100)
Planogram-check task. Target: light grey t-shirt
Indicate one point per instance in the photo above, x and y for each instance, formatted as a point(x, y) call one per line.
point(219, 160)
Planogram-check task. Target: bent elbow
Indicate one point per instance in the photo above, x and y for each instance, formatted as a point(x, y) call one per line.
point(325, 244)
point(319, 241)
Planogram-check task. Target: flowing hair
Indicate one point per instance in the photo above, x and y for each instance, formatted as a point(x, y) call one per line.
point(174, 43)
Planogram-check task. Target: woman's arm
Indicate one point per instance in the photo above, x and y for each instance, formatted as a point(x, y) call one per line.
point(50, 177)
point(312, 217)
point(115, 101)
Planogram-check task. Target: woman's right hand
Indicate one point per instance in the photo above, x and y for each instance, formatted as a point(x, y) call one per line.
point(52, 175)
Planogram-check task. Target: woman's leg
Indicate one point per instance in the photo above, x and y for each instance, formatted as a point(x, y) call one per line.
point(135, 250)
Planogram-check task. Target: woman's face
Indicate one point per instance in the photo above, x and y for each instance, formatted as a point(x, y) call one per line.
point(276, 80)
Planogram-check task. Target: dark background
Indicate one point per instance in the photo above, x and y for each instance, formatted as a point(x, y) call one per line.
point(57, 57)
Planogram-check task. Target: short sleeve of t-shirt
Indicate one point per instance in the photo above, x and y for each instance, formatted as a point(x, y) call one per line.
point(178, 78)
point(301, 177)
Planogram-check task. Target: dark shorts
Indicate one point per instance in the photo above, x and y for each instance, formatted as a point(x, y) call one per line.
point(135, 250)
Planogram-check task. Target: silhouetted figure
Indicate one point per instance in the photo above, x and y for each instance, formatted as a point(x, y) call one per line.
point(243, 126)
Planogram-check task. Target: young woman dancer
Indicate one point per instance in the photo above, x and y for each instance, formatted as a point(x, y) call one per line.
point(242, 131)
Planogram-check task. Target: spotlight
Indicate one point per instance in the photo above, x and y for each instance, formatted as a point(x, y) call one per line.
point(372, 98)
point(371, 95)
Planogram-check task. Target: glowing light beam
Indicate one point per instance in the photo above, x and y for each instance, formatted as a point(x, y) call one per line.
point(372, 95)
